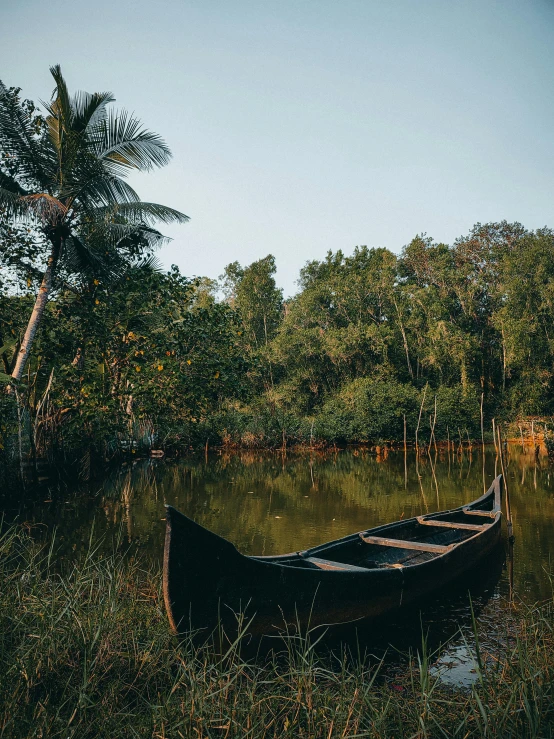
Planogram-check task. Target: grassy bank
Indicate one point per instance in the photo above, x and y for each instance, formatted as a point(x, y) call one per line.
point(85, 652)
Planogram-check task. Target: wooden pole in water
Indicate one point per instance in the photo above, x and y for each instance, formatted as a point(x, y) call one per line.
point(505, 480)
point(483, 444)
point(405, 457)
point(419, 420)
point(482, 427)
point(495, 449)
point(522, 442)
point(434, 424)
point(432, 434)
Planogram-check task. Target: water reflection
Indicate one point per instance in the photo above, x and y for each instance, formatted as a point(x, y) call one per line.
point(267, 503)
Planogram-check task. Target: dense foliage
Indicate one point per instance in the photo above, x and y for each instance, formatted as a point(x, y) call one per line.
point(160, 360)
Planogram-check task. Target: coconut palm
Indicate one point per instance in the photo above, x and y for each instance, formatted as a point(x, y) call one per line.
point(63, 175)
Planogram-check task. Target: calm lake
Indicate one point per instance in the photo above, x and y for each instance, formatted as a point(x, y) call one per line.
point(269, 503)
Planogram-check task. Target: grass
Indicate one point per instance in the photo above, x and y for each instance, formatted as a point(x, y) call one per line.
point(85, 652)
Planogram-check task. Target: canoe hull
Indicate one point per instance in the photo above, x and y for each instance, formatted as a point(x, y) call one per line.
point(208, 582)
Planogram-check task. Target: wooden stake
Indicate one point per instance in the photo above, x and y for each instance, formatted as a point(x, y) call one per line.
point(482, 427)
point(419, 419)
point(495, 450)
point(434, 424)
point(483, 446)
point(505, 479)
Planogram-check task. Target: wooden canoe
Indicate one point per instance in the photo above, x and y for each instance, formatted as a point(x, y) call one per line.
point(207, 581)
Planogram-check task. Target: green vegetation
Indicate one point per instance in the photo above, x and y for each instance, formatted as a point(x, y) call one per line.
point(85, 652)
point(63, 174)
point(114, 356)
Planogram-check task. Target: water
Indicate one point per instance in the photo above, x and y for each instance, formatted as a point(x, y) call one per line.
point(270, 503)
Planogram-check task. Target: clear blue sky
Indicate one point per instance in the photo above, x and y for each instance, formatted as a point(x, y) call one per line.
point(298, 127)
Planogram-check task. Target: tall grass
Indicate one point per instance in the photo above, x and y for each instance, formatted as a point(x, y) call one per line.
point(85, 651)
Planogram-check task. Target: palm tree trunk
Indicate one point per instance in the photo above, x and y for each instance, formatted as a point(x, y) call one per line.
point(38, 310)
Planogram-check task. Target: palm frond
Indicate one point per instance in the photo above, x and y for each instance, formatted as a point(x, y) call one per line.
point(11, 194)
point(117, 233)
point(123, 144)
point(11, 184)
point(150, 264)
point(139, 212)
point(89, 109)
point(18, 139)
point(61, 101)
point(11, 204)
point(81, 258)
point(45, 206)
point(102, 193)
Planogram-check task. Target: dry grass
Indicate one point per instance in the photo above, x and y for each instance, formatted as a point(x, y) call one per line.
point(86, 653)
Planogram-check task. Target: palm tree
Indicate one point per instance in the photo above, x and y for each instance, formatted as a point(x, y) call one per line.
point(63, 175)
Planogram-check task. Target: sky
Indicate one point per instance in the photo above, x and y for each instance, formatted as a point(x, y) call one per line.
point(299, 127)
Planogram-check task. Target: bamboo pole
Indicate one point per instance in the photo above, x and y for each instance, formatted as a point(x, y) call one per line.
point(495, 450)
point(434, 424)
point(419, 419)
point(432, 434)
point(483, 445)
point(506, 488)
point(405, 457)
point(482, 427)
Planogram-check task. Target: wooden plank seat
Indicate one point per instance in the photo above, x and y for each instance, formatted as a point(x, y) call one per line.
point(326, 564)
point(486, 514)
point(450, 525)
point(404, 544)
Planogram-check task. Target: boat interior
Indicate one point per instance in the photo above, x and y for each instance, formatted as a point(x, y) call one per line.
point(398, 545)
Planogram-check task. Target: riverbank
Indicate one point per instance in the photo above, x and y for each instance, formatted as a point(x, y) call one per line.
point(85, 651)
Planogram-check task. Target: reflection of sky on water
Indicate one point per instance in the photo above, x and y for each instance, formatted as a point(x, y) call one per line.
point(457, 666)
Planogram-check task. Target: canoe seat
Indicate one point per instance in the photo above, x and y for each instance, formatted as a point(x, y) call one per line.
point(404, 544)
point(326, 564)
point(487, 514)
point(450, 525)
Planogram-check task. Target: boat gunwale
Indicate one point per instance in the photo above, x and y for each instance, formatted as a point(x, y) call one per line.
point(495, 513)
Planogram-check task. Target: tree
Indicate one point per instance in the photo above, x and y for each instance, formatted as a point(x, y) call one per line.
point(63, 175)
point(253, 292)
